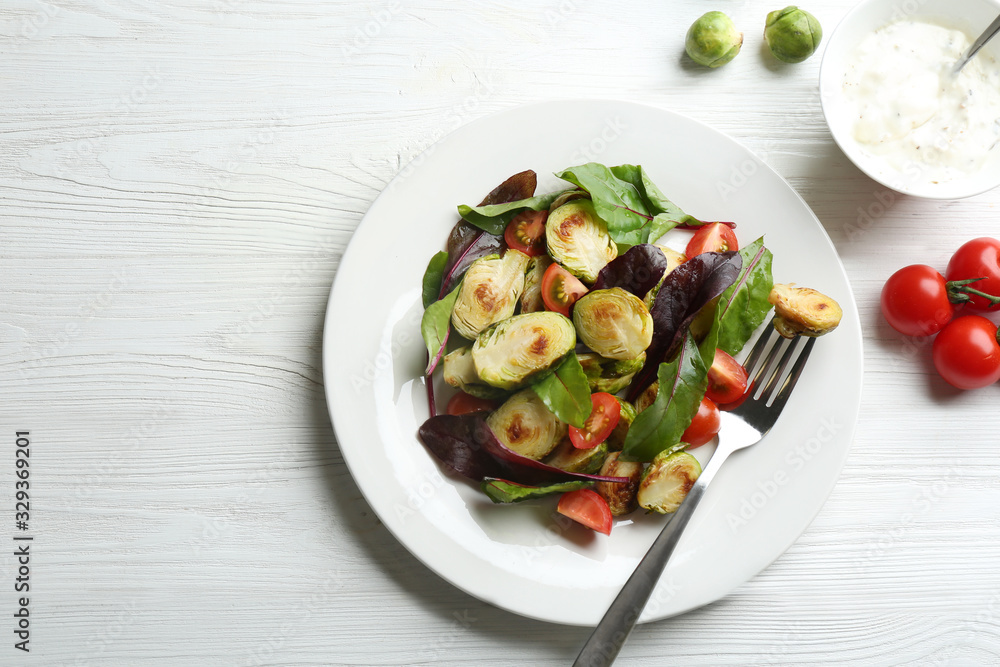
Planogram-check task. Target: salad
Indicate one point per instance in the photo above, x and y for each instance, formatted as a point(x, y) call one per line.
point(588, 357)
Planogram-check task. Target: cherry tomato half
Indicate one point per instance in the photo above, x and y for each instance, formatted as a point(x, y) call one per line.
point(561, 289)
point(462, 404)
point(713, 237)
point(586, 506)
point(602, 421)
point(704, 426)
point(979, 258)
point(727, 379)
point(915, 301)
point(526, 232)
point(966, 352)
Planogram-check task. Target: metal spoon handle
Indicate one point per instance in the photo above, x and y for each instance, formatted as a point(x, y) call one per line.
point(987, 35)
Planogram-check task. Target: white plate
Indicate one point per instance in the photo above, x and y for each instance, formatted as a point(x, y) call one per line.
point(522, 557)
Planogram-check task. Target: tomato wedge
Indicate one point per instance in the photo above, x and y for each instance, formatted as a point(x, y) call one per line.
point(561, 289)
point(713, 237)
point(602, 421)
point(462, 404)
point(526, 232)
point(727, 379)
point(704, 426)
point(585, 506)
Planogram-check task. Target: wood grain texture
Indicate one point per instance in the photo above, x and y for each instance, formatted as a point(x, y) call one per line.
point(179, 181)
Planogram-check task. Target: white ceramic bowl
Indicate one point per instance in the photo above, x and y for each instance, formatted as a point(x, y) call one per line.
point(970, 16)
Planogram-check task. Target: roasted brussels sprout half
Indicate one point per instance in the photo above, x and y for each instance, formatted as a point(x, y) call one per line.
point(531, 299)
point(489, 292)
point(613, 323)
point(647, 397)
point(521, 348)
point(460, 372)
point(628, 414)
point(525, 425)
point(587, 461)
point(667, 480)
point(578, 239)
point(674, 259)
point(568, 196)
point(609, 375)
point(803, 311)
point(621, 496)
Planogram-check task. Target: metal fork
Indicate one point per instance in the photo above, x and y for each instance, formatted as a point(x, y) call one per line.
point(742, 426)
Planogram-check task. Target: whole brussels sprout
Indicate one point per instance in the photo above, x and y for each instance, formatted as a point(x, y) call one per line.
point(792, 34)
point(713, 40)
point(521, 348)
point(613, 323)
point(525, 425)
point(489, 292)
point(578, 239)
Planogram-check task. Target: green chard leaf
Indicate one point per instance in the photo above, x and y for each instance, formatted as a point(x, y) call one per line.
point(433, 277)
point(666, 214)
point(682, 385)
point(494, 217)
point(566, 392)
point(617, 201)
point(744, 305)
point(502, 491)
point(435, 326)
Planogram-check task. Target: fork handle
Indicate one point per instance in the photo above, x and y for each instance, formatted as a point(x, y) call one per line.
point(610, 634)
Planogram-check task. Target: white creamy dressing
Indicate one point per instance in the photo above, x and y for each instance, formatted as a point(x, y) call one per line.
point(923, 122)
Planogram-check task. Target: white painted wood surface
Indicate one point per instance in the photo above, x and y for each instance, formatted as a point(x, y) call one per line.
point(178, 182)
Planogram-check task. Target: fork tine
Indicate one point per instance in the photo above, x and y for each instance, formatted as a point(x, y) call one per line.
point(758, 348)
point(779, 370)
point(765, 363)
point(793, 376)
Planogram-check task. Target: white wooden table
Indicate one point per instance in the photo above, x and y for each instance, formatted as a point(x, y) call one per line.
point(178, 182)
